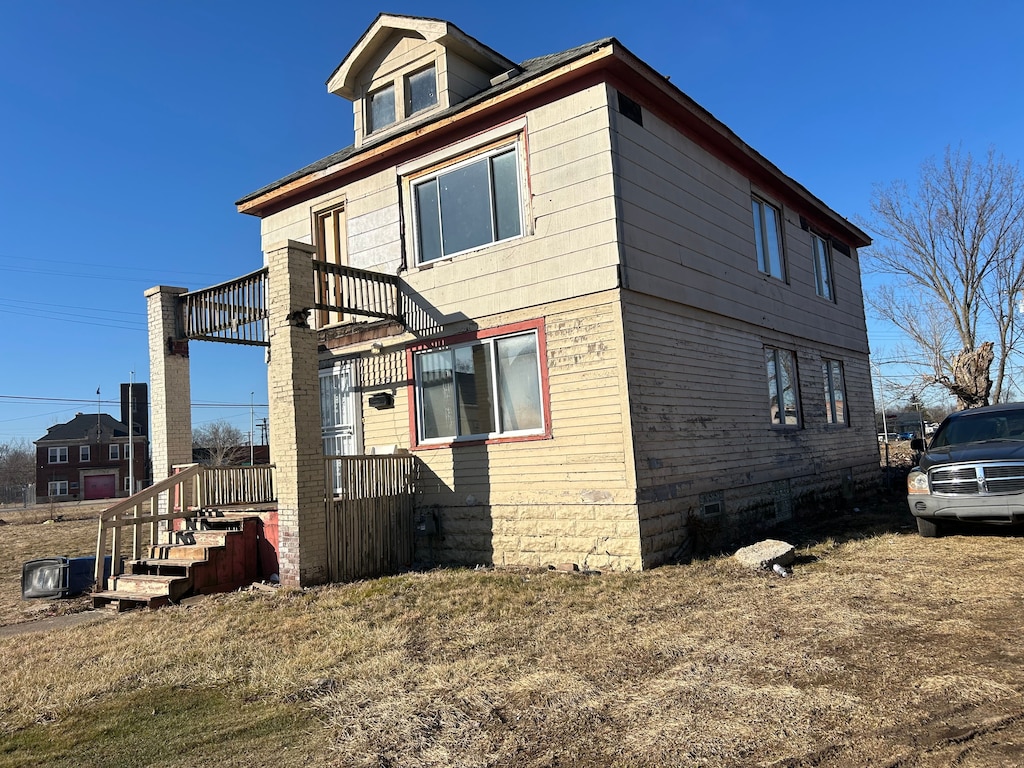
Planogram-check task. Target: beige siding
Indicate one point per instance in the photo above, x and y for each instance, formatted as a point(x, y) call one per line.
point(462, 78)
point(700, 415)
point(689, 237)
point(568, 498)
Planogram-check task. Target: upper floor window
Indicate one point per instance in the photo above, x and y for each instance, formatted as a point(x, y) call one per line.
point(784, 404)
point(58, 455)
point(382, 108)
point(835, 391)
point(420, 90)
point(484, 388)
point(468, 205)
point(822, 256)
point(115, 451)
point(768, 238)
point(83, 453)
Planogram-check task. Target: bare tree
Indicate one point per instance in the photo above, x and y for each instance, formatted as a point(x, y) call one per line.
point(954, 248)
point(219, 444)
point(17, 470)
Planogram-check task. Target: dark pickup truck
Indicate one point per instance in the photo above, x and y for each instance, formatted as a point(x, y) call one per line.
point(972, 469)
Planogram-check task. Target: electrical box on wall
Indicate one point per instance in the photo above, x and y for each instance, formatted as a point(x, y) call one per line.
point(382, 400)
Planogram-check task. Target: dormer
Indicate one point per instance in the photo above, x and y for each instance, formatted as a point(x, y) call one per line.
point(406, 67)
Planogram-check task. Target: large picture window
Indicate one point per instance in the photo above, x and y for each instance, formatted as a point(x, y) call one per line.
point(835, 391)
point(782, 387)
point(480, 389)
point(768, 238)
point(468, 205)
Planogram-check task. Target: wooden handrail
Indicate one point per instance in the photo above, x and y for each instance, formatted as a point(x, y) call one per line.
point(190, 482)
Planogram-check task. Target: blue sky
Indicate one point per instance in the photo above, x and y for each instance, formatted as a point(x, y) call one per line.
point(128, 129)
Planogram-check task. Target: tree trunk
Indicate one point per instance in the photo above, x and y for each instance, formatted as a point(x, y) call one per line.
point(971, 383)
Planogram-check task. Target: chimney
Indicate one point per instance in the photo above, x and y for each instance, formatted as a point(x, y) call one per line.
point(135, 408)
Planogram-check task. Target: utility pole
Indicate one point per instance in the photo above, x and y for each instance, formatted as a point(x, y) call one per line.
point(131, 434)
point(252, 430)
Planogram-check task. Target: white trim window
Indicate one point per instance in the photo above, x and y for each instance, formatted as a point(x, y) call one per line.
point(84, 453)
point(57, 488)
point(768, 238)
point(58, 455)
point(835, 392)
point(468, 205)
point(483, 388)
point(115, 452)
point(822, 256)
point(784, 403)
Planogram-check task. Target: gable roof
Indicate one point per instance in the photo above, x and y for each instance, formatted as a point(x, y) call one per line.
point(527, 70)
point(620, 66)
point(342, 80)
point(83, 427)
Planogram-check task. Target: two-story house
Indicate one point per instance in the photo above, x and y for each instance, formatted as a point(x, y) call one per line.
point(618, 332)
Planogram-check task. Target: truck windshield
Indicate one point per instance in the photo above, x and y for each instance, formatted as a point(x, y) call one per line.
point(977, 429)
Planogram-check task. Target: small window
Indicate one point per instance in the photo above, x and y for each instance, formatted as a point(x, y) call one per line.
point(822, 256)
point(768, 238)
point(115, 451)
point(382, 108)
point(835, 391)
point(784, 405)
point(83, 453)
point(128, 484)
point(482, 389)
point(420, 90)
point(57, 488)
point(468, 205)
point(58, 455)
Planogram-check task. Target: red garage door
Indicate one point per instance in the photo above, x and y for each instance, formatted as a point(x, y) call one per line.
point(100, 486)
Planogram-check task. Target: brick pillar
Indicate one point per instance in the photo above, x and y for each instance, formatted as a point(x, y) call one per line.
point(293, 385)
point(169, 383)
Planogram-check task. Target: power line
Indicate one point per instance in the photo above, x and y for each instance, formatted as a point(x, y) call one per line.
point(88, 401)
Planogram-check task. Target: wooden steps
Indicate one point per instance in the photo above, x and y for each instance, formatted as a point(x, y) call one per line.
point(212, 553)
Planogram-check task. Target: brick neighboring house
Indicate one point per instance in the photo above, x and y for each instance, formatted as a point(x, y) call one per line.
point(87, 458)
point(615, 331)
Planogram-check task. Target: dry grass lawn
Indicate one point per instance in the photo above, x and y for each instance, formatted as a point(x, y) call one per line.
point(882, 648)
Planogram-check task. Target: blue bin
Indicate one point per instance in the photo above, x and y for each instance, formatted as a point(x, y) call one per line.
point(56, 577)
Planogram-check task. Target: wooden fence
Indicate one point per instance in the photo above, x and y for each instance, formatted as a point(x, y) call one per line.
point(370, 527)
point(225, 486)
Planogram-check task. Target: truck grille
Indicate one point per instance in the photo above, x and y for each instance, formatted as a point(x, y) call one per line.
point(977, 479)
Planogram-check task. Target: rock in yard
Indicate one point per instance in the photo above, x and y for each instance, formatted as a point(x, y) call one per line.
point(766, 553)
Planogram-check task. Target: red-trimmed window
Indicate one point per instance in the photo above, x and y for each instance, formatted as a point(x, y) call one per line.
point(481, 386)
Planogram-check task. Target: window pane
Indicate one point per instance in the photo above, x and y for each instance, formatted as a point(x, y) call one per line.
point(762, 262)
point(772, 240)
point(830, 414)
point(773, 386)
point(839, 392)
point(428, 221)
point(437, 394)
point(382, 108)
point(519, 383)
point(787, 380)
point(422, 90)
point(473, 385)
point(822, 268)
point(465, 208)
point(506, 195)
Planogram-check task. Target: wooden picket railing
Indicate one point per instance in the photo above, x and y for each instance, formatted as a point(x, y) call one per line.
point(234, 311)
point(370, 526)
point(343, 291)
point(191, 488)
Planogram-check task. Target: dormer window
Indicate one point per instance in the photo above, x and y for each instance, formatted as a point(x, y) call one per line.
point(420, 90)
point(382, 108)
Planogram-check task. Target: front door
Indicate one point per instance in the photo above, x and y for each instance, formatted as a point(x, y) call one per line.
point(339, 413)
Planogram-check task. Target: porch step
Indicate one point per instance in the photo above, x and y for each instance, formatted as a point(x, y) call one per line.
point(126, 601)
point(172, 587)
point(211, 554)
